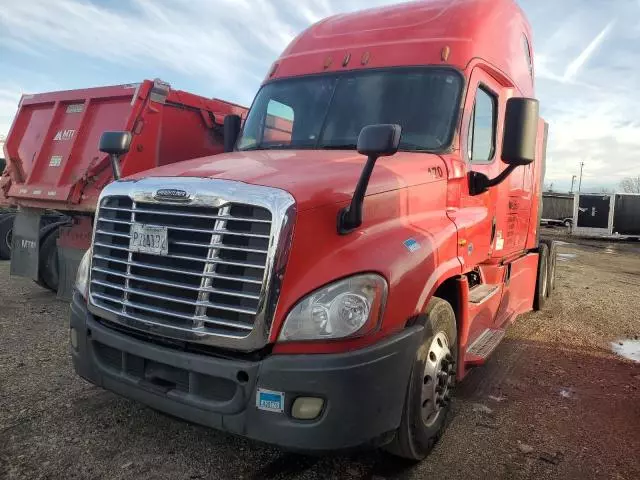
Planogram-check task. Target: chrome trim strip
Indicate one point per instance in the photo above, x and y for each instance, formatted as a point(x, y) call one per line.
point(190, 215)
point(176, 270)
point(208, 193)
point(193, 335)
point(200, 303)
point(231, 293)
point(187, 229)
point(190, 258)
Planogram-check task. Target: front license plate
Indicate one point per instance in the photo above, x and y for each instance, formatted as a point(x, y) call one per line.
point(148, 239)
point(270, 400)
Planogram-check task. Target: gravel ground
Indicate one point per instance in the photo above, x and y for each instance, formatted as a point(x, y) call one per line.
point(553, 401)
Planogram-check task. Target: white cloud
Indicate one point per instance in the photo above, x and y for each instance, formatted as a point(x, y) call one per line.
point(9, 99)
point(588, 73)
point(574, 67)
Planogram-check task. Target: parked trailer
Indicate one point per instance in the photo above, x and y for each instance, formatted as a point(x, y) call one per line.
point(557, 208)
point(55, 172)
point(323, 285)
point(607, 215)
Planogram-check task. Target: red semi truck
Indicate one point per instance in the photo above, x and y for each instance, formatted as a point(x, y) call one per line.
point(55, 172)
point(324, 286)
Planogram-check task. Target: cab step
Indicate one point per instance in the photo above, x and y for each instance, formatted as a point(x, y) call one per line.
point(482, 293)
point(481, 348)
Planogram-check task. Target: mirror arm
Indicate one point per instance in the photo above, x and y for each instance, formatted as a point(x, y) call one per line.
point(480, 183)
point(115, 166)
point(350, 218)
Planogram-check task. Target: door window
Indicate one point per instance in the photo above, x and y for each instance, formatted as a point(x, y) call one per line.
point(481, 140)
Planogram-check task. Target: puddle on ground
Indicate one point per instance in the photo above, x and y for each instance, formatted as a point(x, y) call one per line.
point(563, 257)
point(629, 349)
point(560, 242)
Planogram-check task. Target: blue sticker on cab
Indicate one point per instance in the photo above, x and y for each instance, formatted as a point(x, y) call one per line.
point(412, 245)
point(270, 400)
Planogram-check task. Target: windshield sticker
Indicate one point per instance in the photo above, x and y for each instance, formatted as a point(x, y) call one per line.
point(412, 245)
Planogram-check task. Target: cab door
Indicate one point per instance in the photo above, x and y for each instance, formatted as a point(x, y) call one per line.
point(477, 217)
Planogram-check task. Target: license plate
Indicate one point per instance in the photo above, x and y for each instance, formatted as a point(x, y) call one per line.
point(270, 400)
point(148, 239)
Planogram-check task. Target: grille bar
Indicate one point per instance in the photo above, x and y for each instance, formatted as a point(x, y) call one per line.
point(174, 299)
point(185, 214)
point(164, 311)
point(175, 285)
point(187, 229)
point(192, 258)
point(164, 325)
point(190, 244)
point(176, 270)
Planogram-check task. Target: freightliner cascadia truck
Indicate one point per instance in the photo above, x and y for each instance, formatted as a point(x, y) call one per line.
point(366, 243)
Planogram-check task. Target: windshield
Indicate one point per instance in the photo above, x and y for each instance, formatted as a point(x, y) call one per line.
point(328, 111)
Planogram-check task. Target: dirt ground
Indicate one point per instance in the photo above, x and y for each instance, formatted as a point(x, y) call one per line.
point(553, 401)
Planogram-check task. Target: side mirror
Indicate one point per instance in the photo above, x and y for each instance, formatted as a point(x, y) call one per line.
point(520, 131)
point(231, 131)
point(379, 140)
point(374, 141)
point(115, 144)
point(518, 144)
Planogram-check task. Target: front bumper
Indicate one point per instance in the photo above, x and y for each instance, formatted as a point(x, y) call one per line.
point(363, 390)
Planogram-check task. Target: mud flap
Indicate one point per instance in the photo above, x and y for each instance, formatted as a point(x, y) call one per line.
point(68, 263)
point(74, 240)
point(26, 243)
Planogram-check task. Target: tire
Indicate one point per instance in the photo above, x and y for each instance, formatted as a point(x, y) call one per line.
point(551, 265)
point(568, 225)
point(48, 269)
point(542, 281)
point(6, 233)
point(426, 410)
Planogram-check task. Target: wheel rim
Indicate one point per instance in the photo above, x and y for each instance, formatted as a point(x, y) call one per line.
point(437, 379)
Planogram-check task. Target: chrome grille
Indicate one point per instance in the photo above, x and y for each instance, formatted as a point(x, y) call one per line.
point(210, 283)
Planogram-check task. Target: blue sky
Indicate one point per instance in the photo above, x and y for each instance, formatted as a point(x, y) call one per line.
point(587, 68)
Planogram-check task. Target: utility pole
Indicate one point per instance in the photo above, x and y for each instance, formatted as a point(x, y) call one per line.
point(573, 181)
point(580, 182)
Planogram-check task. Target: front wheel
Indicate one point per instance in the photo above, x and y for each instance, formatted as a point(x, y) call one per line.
point(428, 400)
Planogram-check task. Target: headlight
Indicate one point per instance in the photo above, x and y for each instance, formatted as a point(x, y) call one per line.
point(82, 277)
point(348, 307)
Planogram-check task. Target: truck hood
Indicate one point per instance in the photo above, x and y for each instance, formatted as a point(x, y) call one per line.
point(313, 177)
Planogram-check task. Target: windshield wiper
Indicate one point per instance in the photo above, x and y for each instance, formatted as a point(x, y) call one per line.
point(344, 146)
point(277, 146)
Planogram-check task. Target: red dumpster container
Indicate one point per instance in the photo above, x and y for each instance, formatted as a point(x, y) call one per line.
point(55, 173)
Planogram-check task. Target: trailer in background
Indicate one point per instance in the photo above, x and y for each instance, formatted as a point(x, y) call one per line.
point(557, 209)
point(55, 172)
point(607, 215)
